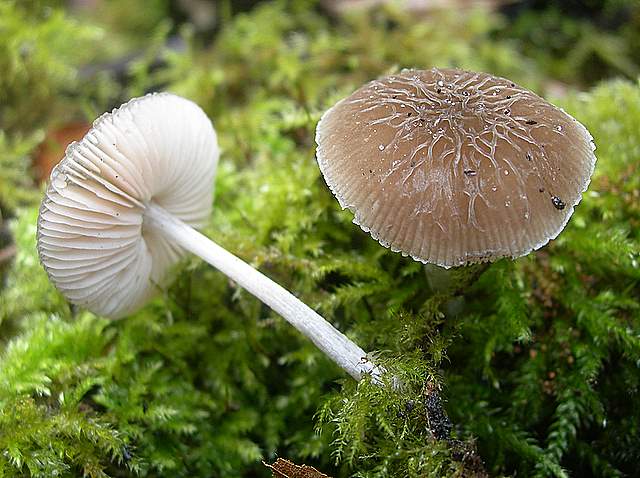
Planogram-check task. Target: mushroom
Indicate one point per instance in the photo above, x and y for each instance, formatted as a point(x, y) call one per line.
point(120, 211)
point(453, 167)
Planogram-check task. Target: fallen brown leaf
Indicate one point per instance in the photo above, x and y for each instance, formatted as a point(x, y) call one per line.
point(285, 469)
point(51, 151)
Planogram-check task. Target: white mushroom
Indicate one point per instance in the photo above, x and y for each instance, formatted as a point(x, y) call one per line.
point(120, 210)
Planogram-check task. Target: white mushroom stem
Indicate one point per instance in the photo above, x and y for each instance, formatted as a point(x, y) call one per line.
point(328, 339)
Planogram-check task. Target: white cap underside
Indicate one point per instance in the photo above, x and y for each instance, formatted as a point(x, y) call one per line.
point(91, 239)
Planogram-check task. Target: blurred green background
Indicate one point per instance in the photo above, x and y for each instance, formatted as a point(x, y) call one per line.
point(65, 62)
point(538, 374)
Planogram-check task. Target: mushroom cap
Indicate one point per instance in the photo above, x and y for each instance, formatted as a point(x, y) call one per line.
point(454, 167)
point(92, 239)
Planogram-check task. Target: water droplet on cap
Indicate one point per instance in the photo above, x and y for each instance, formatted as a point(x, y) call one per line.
point(381, 147)
point(60, 181)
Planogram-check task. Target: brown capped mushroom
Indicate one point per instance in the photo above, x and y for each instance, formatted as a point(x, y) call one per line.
point(454, 167)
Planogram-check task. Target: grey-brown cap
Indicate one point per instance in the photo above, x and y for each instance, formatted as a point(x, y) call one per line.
point(454, 167)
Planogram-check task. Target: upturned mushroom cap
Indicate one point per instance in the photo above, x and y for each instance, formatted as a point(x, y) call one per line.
point(454, 167)
point(92, 239)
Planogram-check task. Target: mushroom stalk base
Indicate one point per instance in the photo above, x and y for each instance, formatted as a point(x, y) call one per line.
point(453, 281)
point(327, 338)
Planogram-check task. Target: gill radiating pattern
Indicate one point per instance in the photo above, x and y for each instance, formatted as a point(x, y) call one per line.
point(91, 236)
point(472, 161)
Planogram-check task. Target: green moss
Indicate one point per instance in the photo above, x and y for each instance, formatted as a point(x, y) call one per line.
point(39, 56)
point(533, 366)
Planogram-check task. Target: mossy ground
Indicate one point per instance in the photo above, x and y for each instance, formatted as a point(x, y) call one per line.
point(533, 369)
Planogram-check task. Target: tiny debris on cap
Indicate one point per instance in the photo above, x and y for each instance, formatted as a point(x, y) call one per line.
point(453, 167)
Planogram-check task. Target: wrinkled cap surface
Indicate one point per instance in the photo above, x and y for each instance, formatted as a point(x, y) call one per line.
point(454, 167)
point(92, 240)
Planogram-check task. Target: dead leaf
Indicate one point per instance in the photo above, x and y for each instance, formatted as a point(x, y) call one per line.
point(285, 469)
point(51, 151)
